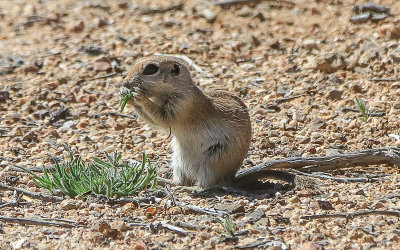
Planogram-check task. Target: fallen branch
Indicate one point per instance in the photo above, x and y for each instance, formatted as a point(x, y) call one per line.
point(170, 194)
point(338, 179)
point(157, 10)
point(138, 202)
point(33, 19)
point(115, 114)
point(351, 215)
point(154, 227)
point(261, 243)
point(136, 224)
point(37, 169)
point(384, 80)
point(29, 221)
point(104, 76)
point(201, 210)
point(188, 226)
point(379, 156)
point(286, 99)
point(31, 194)
point(15, 201)
point(376, 114)
point(391, 196)
point(229, 3)
point(10, 204)
point(61, 220)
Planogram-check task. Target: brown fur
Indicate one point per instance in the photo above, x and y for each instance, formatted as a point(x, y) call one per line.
point(211, 131)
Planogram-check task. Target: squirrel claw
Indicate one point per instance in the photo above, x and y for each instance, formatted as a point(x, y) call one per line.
point(124, 91)
point(138, 97)
point(137, 90)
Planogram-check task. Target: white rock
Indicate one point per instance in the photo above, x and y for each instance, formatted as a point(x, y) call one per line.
point(209, 15)
point(310, 44)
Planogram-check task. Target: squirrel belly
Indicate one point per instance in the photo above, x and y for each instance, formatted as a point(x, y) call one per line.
point(207, 154)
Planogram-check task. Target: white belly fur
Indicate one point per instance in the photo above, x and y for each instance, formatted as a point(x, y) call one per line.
point(192, 161)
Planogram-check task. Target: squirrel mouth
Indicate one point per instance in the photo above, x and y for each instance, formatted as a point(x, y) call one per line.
point(123, 91)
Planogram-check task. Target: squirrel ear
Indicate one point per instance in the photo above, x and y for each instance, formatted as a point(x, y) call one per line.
point(176, 70)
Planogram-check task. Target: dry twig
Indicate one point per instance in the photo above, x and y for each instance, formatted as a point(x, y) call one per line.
point(338, 179)
point(157, 10)
point(188, 226)
point(135, 224)
point(138, 202)
point(115, 114)
point(351, 215)
point(103, 76)
point(180, 231)
point(8, 204)
point(286, 99)
point(201, 210)
point(170, 194)
point(61, 220)
point(154, 227)
point(14, 202)
point(29, 221)
point(31, 194)
point(229, 3)
point(37, 169)
point(33, 19)
point(384, 80)
point(376, 114)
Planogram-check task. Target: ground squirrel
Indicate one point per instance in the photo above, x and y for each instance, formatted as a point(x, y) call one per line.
point(211, 130)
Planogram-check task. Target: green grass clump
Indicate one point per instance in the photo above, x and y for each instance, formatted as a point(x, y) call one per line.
point(228, 225)
point(362, 108)
point(124, 100)
point(110, 178)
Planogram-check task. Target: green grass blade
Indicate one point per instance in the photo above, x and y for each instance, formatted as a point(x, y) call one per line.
point(124, 100)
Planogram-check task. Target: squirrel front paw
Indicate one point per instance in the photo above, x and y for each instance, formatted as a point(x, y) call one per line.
point(124, 91)
point(138, 96)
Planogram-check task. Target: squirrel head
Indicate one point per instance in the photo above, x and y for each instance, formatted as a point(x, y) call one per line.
point(159, 75)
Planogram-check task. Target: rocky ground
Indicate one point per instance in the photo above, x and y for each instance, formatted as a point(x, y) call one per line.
point(298, 67)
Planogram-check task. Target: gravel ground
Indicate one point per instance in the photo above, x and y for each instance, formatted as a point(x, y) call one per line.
point(298, 67)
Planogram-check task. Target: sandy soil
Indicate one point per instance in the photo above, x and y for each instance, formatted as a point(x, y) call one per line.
point(74, 54)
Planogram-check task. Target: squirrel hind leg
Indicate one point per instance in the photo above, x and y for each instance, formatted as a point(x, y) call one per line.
point(209, 175)
point(179, 177)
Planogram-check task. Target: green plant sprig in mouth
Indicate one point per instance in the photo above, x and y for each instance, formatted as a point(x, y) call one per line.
point(124, 100)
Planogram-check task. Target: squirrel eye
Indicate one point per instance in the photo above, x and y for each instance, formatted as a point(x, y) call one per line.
point(150, 69)
point(176, 70)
